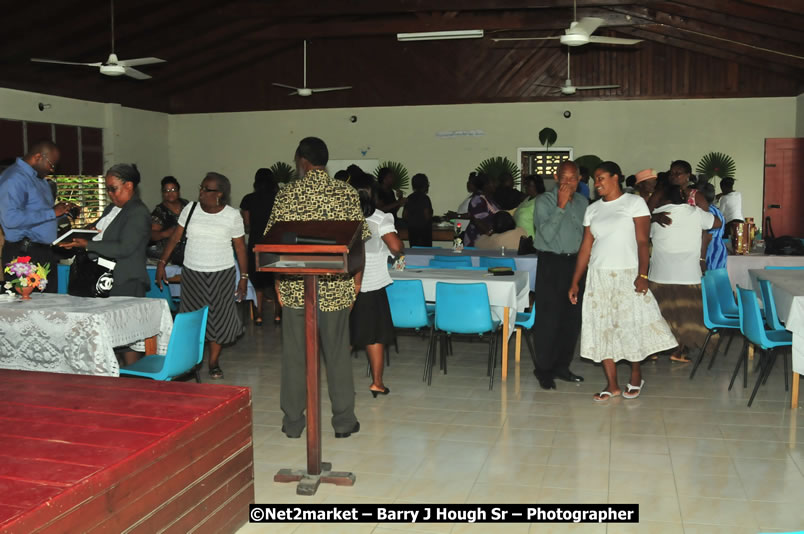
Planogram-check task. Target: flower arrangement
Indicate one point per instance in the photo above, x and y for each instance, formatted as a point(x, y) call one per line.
point(26, 274)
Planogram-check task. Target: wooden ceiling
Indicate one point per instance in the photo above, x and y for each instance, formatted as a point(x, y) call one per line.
point(223, 56)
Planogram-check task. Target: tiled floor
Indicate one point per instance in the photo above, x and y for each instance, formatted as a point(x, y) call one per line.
point(694, 457)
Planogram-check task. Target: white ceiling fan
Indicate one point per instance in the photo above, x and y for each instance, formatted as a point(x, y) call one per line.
point(112, 66)
point(579, 33)
point(307, 91)
point(568, 89)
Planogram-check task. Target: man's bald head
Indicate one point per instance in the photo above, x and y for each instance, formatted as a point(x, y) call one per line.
point(568, 166)
point(43, 156)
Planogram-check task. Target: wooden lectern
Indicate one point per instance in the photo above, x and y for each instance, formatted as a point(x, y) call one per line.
point(287, 249)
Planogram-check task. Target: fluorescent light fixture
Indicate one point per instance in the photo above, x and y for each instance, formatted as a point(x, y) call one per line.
point(436, 36)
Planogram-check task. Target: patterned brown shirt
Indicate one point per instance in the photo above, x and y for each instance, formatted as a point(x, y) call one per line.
point(317, 197)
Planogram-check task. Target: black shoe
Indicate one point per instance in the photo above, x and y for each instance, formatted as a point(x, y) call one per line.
point(546, 382)
point(291, 436)
point(374, 392)
point(355, 430)
point(569, 376)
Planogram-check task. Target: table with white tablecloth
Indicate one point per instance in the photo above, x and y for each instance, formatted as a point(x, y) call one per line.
point(75, 335)
point(788, 295)
point(420, 257)
point(739, 265)
point(507, 294)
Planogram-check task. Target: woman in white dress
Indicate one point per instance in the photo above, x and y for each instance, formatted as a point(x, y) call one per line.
point(621, 319)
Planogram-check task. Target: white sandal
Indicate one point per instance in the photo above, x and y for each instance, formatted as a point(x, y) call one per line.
point(629, 388)
point(604, 396)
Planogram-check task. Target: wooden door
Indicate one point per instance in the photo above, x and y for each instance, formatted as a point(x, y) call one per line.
point(783, 198)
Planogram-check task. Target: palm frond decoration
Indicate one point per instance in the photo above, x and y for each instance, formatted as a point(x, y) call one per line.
point(283, 173)
point(496, 167)
point(547, 137)
point(401, 179)
point(590, 161)
point(716, 164)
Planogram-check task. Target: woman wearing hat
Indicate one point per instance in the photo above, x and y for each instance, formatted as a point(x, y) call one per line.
point(645, 183)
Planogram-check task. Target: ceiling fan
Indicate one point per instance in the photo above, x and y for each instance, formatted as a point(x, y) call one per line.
point(579, 33)
point(307, 91)
point(112, 66)
point(568, 89)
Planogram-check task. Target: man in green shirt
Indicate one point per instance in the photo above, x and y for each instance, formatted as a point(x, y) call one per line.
point(558, 230)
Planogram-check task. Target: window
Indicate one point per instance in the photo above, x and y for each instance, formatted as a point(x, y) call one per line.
point(89, 192)
point(541, 161)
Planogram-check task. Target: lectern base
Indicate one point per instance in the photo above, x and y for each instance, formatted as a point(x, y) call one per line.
point(308, 484)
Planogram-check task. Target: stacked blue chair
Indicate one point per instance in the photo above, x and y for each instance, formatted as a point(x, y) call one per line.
point(155, 293)
point(464, 309)
point(409, 309)
point(780, 268)
point(753, 328)
point(185, 350)
point(715, 321)
point(448, 262)
point(497, 262)
point(524, 324)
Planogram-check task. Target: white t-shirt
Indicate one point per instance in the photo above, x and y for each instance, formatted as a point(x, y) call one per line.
point(375, 273)
point(731, 206)
point(209, 238)
point(677, 247)
point(612, 226)
point(104, 222)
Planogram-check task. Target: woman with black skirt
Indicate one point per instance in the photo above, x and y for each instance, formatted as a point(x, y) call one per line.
point(370, 322)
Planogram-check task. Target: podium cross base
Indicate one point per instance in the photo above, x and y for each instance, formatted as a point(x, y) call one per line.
point(308, 484)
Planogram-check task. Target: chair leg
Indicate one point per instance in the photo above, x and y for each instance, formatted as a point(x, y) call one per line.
point(772, 357)
point(717, 347)
point(728, 344)
point(198, 373)
point(740, 360)
point(530, 345)
point(745, 364)
point(784, 361)
point(760, 376)
point(429, 354)
point(449, 345)
point(701, 355)
point(491, 355)
point(493, 345)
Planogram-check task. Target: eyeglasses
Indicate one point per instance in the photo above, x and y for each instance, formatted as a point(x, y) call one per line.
point(50, 163)
point(170, 190)
point(112, 188)
point(208, 190)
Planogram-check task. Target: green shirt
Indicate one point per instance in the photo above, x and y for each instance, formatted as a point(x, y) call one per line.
point(555, 229)
point(523, 216)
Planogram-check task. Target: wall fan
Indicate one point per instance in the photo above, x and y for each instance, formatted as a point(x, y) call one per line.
point(112, 66)
point(569, 89)
point(579, 33)
point(307, 91)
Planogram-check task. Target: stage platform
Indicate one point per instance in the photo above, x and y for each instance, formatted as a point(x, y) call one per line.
point(102, 454)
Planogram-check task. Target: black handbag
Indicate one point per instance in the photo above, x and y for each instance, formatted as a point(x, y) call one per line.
point(781, 246)
point(88, 278)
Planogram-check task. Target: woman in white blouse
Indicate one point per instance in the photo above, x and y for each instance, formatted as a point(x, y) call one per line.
point(370, 322)
point(621, 320)
point(213, 230)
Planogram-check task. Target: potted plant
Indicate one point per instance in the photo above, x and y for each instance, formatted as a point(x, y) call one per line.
point(27, 276)
point(401, 179)
point(496, 167)
point(283, 173)
point(715, 164)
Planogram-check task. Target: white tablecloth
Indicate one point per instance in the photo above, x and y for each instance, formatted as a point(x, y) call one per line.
point(738, 266)
point(175, 289)
point(421, 257)
point(504, 291)
point(75, 335)
point(788, 294)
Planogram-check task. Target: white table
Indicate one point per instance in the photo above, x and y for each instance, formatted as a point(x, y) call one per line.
point(788, 294)
point(420, 257)
point(507, 294)
point(175, 289)
point(76, 335)
point(739, 265)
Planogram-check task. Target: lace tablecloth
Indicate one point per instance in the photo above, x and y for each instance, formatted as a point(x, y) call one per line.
point(66, 334)
point(416, 257)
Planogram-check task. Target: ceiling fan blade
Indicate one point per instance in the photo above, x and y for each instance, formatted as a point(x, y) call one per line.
point(38, 60)
point(545, 85)
point(140, 61)
point(136, 74)
point(590, 87)
point(285, 86)
point(325, 89)
point(498, 39)
point(613, 40)
point(294, 93)
point(586, 26)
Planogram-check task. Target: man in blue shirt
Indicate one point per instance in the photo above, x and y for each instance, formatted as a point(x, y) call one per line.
point(27, 213)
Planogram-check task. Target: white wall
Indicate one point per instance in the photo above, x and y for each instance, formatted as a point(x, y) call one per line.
point(635, 133)
point(129, 135)
point(800, 115)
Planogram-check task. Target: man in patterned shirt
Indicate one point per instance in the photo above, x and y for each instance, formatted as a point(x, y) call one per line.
point(317, 197)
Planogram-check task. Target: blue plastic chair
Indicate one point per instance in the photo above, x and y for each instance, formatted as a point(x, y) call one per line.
point(725, 295)
point(497, 262)
point(184, 353)
point(451, 261)
point(753, 328)
point(780, 268)
point(525, 321)
point(155, 293)
point(714, 320)
point(464, 309)
point(409, 309)
point(769, 305)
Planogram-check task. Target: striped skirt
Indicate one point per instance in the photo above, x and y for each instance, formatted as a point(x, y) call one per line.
point(682, 308)
point(216, 290)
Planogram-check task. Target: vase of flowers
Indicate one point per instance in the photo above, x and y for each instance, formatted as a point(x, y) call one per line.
point(27, 276)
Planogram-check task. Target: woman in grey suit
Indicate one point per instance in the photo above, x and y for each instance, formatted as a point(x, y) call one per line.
point(125, 231)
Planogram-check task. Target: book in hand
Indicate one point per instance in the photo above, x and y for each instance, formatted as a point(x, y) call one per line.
point(81, 233)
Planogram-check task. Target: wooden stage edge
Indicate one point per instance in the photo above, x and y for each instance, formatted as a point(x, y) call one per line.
point(101, 454)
